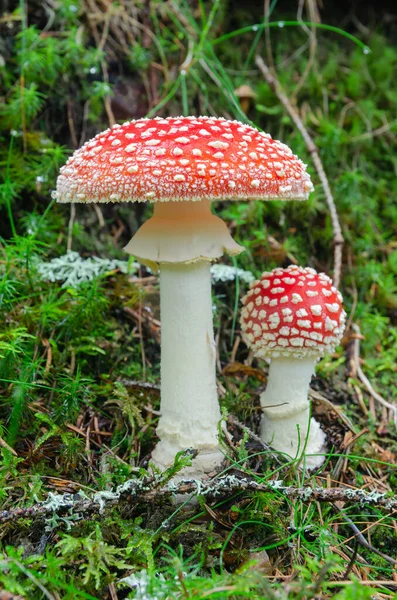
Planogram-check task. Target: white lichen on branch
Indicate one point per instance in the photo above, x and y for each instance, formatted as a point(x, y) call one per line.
point(150, 489)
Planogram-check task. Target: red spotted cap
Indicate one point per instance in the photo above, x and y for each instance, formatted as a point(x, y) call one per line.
point(293, 311)
point(184, 158)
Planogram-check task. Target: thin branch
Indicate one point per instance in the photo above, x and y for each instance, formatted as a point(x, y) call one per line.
point(374, 132)
point(360, 539)
point(364, 379)
point(99, 215)
point(312, 33)
point(274, 455)
point(4, 444)
point(152, 489)
point(70, 227)
point(338, 240)
point(268, 42)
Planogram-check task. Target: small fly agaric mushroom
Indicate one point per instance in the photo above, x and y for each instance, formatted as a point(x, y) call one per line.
point(181, 165)
point(245, 94)
point(293, 316)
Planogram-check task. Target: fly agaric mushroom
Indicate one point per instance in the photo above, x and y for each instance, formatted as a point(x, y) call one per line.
point(293, 316)
point(181, 165)
point(245, 94)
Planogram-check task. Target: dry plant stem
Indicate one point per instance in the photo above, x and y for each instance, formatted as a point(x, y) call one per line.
point(364, 379)
point(266, 448)
point(268, 42)
point(99, 215)
point(313, 18)
point(70, 226)
point(375, 132)
point(360, 539)
point(312, 148)
point(149, 490)
point(315, 395)
point(4, 444)
point(32, 578)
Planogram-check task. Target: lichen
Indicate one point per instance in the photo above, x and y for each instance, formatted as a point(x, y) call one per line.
point(74, 270)
point(277, 484)
point(103, 497)
point(56, 501)
point(224, 273)
point(142, 582)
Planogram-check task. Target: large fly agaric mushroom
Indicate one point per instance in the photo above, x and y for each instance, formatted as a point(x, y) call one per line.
point(293, 316)
point(181, 165)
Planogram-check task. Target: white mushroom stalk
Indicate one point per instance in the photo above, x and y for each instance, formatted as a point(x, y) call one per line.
point(189, 400)
point(181, 165)
point(286, 424)
point(292, 316)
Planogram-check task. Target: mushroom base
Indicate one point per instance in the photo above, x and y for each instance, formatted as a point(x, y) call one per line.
point(286, 424)
point(182, 232)
point(189, 401)
point(205, 462)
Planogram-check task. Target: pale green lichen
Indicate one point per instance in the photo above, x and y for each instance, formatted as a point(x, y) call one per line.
point(364, 497)
point(131, 487)
point(55, 502)
point(143, 583)
point(276, 484)
point(224, 273)
point(102, 498)
point(74, 270)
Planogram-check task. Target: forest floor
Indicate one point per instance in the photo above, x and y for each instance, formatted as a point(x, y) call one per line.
point(79, 341)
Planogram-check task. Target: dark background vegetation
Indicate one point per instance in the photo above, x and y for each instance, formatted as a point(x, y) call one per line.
point(74, 415)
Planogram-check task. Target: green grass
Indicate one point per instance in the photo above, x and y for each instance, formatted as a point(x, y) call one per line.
point(68, 355)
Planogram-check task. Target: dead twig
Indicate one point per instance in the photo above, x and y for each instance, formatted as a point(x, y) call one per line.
point(70, 227)
point(314, 17)
point(357, 371)
point(150, 489)
point(387, 127)
point(144, 385)
point(99, 215)
point(234, 421)
point(338, 240)
point(315, 395)
point(360, 539)
point(4, 444)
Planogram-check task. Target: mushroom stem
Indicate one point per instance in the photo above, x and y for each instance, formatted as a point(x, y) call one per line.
point(286, 410)
point(189, 402)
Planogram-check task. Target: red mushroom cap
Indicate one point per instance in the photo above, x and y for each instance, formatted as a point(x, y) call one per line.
point(184, 158)
point(293, 311)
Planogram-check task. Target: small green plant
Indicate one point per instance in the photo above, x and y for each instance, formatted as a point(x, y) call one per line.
point(96, 557)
